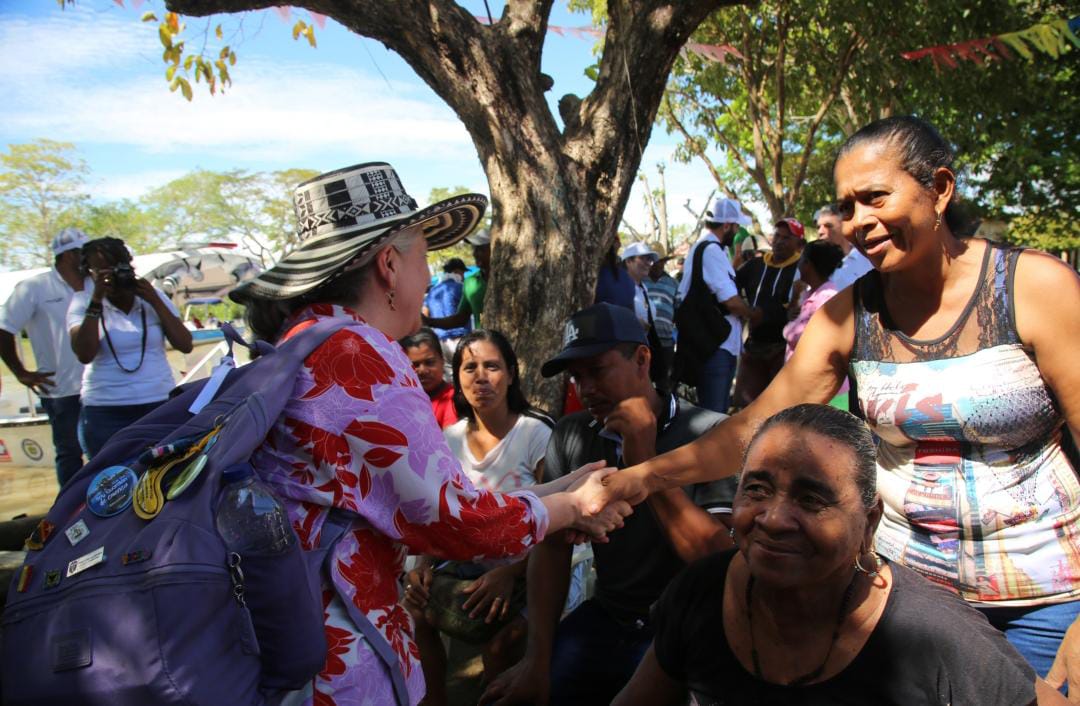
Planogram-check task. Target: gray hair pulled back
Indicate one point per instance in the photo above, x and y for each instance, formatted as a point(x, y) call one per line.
point(840, 426)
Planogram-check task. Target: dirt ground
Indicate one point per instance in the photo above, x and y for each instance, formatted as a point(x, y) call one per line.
point(25, 490)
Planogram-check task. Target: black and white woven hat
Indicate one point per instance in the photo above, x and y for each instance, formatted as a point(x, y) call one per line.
point(344, 216)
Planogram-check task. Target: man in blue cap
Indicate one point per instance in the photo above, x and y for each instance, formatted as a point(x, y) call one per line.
point(589, 656)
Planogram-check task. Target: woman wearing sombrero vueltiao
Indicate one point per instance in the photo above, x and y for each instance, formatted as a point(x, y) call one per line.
point(358, 435)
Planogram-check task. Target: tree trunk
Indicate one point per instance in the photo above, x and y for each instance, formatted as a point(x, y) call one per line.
point(557, 197)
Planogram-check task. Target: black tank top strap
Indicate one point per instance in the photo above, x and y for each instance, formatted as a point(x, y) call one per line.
point(1012, 256)
point(997, 317)
point(869, 336)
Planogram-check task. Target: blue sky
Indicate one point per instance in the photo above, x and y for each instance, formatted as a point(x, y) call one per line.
point(92, 74)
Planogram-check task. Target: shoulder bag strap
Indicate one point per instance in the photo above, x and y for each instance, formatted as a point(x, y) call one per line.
point(697, 271)
point(334, 528)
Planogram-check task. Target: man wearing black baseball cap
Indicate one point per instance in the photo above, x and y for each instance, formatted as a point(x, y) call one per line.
point(589, 656)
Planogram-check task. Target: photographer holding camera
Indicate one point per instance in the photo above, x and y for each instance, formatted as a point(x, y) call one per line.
point(118, 331)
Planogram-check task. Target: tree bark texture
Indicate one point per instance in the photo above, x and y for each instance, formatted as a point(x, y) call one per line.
point(557, 196)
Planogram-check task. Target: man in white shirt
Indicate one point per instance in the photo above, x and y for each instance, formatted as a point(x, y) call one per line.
point(39, 305)
point(639, 258)
point(854, 265)
point(714, 388)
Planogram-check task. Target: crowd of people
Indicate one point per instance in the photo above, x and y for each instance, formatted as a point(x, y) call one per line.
point(854, 482)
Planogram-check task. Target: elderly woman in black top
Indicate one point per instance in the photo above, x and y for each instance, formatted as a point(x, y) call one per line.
point(804, 611)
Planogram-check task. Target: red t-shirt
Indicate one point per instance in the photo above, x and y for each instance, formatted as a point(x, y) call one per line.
point(442, 405)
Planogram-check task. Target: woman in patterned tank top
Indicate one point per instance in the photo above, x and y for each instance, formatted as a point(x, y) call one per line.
point(962, 352)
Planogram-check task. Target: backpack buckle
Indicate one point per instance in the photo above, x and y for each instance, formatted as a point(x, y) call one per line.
point(236, 575)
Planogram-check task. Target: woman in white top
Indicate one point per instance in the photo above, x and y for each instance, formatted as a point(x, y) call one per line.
point(118, 331)
point(500, 442)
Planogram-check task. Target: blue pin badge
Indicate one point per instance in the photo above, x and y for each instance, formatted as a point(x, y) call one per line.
point(110, 491)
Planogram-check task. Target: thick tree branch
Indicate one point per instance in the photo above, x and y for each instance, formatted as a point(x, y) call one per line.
point(695, 147)
point(853, 47)
point(782, 21)
point(201, 8)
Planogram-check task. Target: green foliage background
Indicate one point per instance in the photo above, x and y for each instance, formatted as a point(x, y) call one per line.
point(1013, 122)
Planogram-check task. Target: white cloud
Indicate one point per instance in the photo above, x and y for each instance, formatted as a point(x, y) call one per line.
point(93, 75)
point(270, 111)
point(77, 42)
point(99, 81)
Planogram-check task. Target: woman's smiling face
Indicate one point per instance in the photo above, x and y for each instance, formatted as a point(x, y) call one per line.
point(798, 513)
point(888, 215)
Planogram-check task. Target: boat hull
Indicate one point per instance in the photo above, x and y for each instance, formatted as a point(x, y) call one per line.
point(26, 441)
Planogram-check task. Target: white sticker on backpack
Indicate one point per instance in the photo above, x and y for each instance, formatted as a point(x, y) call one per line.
point(77, 532)
point(84, 562)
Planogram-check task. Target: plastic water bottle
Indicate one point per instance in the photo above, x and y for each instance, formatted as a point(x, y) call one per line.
point(250, 518)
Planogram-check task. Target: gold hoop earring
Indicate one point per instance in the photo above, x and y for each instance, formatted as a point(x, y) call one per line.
point(878, 563)
point(390, 300)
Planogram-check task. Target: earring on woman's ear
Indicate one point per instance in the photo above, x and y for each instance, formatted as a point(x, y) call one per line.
point(937, 222)
point(390, 300)
point(879, 563)
point(731, 533)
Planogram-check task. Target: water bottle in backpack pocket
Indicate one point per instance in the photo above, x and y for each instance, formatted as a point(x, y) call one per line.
point(264, 553)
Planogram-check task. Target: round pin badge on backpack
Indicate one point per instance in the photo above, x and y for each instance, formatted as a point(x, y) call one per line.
point(110, 491)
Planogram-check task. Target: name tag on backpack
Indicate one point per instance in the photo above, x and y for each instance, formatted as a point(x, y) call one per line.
point(84, 562)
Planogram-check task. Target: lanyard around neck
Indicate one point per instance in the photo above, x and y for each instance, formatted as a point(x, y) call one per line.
point(108, 339)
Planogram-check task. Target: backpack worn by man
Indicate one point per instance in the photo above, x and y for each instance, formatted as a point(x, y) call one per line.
point(701, 322)
point(129, 596)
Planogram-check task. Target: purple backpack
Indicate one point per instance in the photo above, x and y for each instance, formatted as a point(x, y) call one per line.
point(110, 608)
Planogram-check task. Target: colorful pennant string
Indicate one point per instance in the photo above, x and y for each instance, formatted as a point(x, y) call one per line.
point(1054, 37)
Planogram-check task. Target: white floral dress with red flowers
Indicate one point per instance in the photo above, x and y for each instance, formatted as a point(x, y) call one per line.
point(358, 434)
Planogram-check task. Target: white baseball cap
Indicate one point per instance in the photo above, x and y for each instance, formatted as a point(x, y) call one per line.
point(68, 239)
point(637, 249)
point(479, 238)
point(727, 211)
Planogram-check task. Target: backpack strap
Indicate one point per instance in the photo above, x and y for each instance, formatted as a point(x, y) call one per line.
point(228, 362)
point(335, 526)
point(697, 275)
point(697, 270)
point(292, 353)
